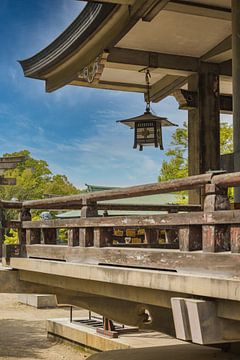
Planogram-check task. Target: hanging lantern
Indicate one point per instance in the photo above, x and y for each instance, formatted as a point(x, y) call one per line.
point(147, 127)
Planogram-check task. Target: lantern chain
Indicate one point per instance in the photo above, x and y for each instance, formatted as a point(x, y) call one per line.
point(147, 79)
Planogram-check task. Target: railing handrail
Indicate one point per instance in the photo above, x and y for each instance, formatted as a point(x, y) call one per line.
point(160, 221)
point(175, 185)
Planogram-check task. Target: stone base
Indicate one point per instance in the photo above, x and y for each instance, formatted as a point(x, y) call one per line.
point(38, 300)
point(89, 339)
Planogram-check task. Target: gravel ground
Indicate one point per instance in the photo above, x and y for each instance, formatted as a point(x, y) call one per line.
point(23, 334)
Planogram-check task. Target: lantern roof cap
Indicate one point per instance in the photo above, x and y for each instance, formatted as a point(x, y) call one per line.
point(147, 116)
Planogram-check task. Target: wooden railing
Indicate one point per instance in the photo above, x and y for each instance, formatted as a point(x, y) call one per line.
point(210, 227)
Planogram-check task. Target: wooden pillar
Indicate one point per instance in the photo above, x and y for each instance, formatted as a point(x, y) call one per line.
point(204, 125)
point(25, 215)
point(33, 236)
point(2, 229)
point(49, 236)
point(73, 237)
point(190, 238)
point(236, 88)
point(86, 235)
point(151, 236)
point(102, 237)
point(216, 238)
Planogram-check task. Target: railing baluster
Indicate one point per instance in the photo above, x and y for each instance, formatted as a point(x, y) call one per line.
point(33, 236)
point(190, 238)
point(49, 236)
point(73, 237)
point(215, 237)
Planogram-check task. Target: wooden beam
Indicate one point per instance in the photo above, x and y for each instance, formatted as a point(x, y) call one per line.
point(199, 9)
point(10, 159)
point(212, 263)
point(220, 51)
point(173, 64)
point(110, 85)
point(121, 193)
point(188, 100)
point(153, 11)
point(7, 181)
point(163, 221)
point(154, 60)
point(165, 87)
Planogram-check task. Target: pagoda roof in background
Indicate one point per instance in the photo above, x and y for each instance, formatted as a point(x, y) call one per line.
point(111, 42)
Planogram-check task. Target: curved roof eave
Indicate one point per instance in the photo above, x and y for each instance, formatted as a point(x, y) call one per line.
point(83, 41)
point(84, 26)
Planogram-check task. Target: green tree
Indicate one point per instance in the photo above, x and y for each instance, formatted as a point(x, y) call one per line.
point(177, 165)
point(34, 180)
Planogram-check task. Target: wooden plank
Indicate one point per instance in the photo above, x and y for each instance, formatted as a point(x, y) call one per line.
point(7, 165)
point(102, 237)
point(121, 193)
point(166, 86)
point(223, 49)
point(33, 236)
point(154, 10)
point(10, 204)
point(7, 181)
point(190, 238)
point(165, 221)
point(49, 236)
point(224, 263)
point(86, 237)
point(178, 63)
point(235, 238)
point(148, 207)
point(73, 237)
point(215, 12)
point(227, 180)
point(10, 159)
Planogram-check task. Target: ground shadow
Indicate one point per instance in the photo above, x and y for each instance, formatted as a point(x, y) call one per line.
point(172, 352)
point(20, 339)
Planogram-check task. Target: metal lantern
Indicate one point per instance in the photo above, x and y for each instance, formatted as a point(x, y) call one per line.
point(147, 127)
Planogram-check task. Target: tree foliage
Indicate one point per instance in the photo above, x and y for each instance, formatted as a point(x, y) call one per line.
point(177, 165)
point(34, 180)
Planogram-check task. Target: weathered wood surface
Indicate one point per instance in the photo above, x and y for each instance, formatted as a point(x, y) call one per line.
point(7, 181)
point(10, 159)
point(149, 207)
point(225, 180)
point(173, 260)
point(121, 193)
point(160, 221)
point(10, 204)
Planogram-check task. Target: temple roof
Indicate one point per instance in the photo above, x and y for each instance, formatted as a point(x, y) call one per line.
point(111, 43)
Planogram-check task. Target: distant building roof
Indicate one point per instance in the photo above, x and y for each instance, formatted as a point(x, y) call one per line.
point(158, 199)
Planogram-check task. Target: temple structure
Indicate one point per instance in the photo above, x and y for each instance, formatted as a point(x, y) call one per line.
point(186, 284)
point(191, 48)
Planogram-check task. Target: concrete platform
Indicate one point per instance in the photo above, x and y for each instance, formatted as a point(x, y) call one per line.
point(39, 301)
point(89, 339)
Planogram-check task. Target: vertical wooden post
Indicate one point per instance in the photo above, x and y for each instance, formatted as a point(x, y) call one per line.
point(49, 236)
point(73, 237)
point(86, 235)
point(102, 237)
point(204, 125)
point(216, 238)
point(2, 230)
point(151, 236)
point(33, 236)
point(25, 215)
point(236, 89)
point(190, 238)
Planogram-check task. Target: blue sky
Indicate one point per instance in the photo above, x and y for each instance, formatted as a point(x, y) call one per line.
point(74, 129)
